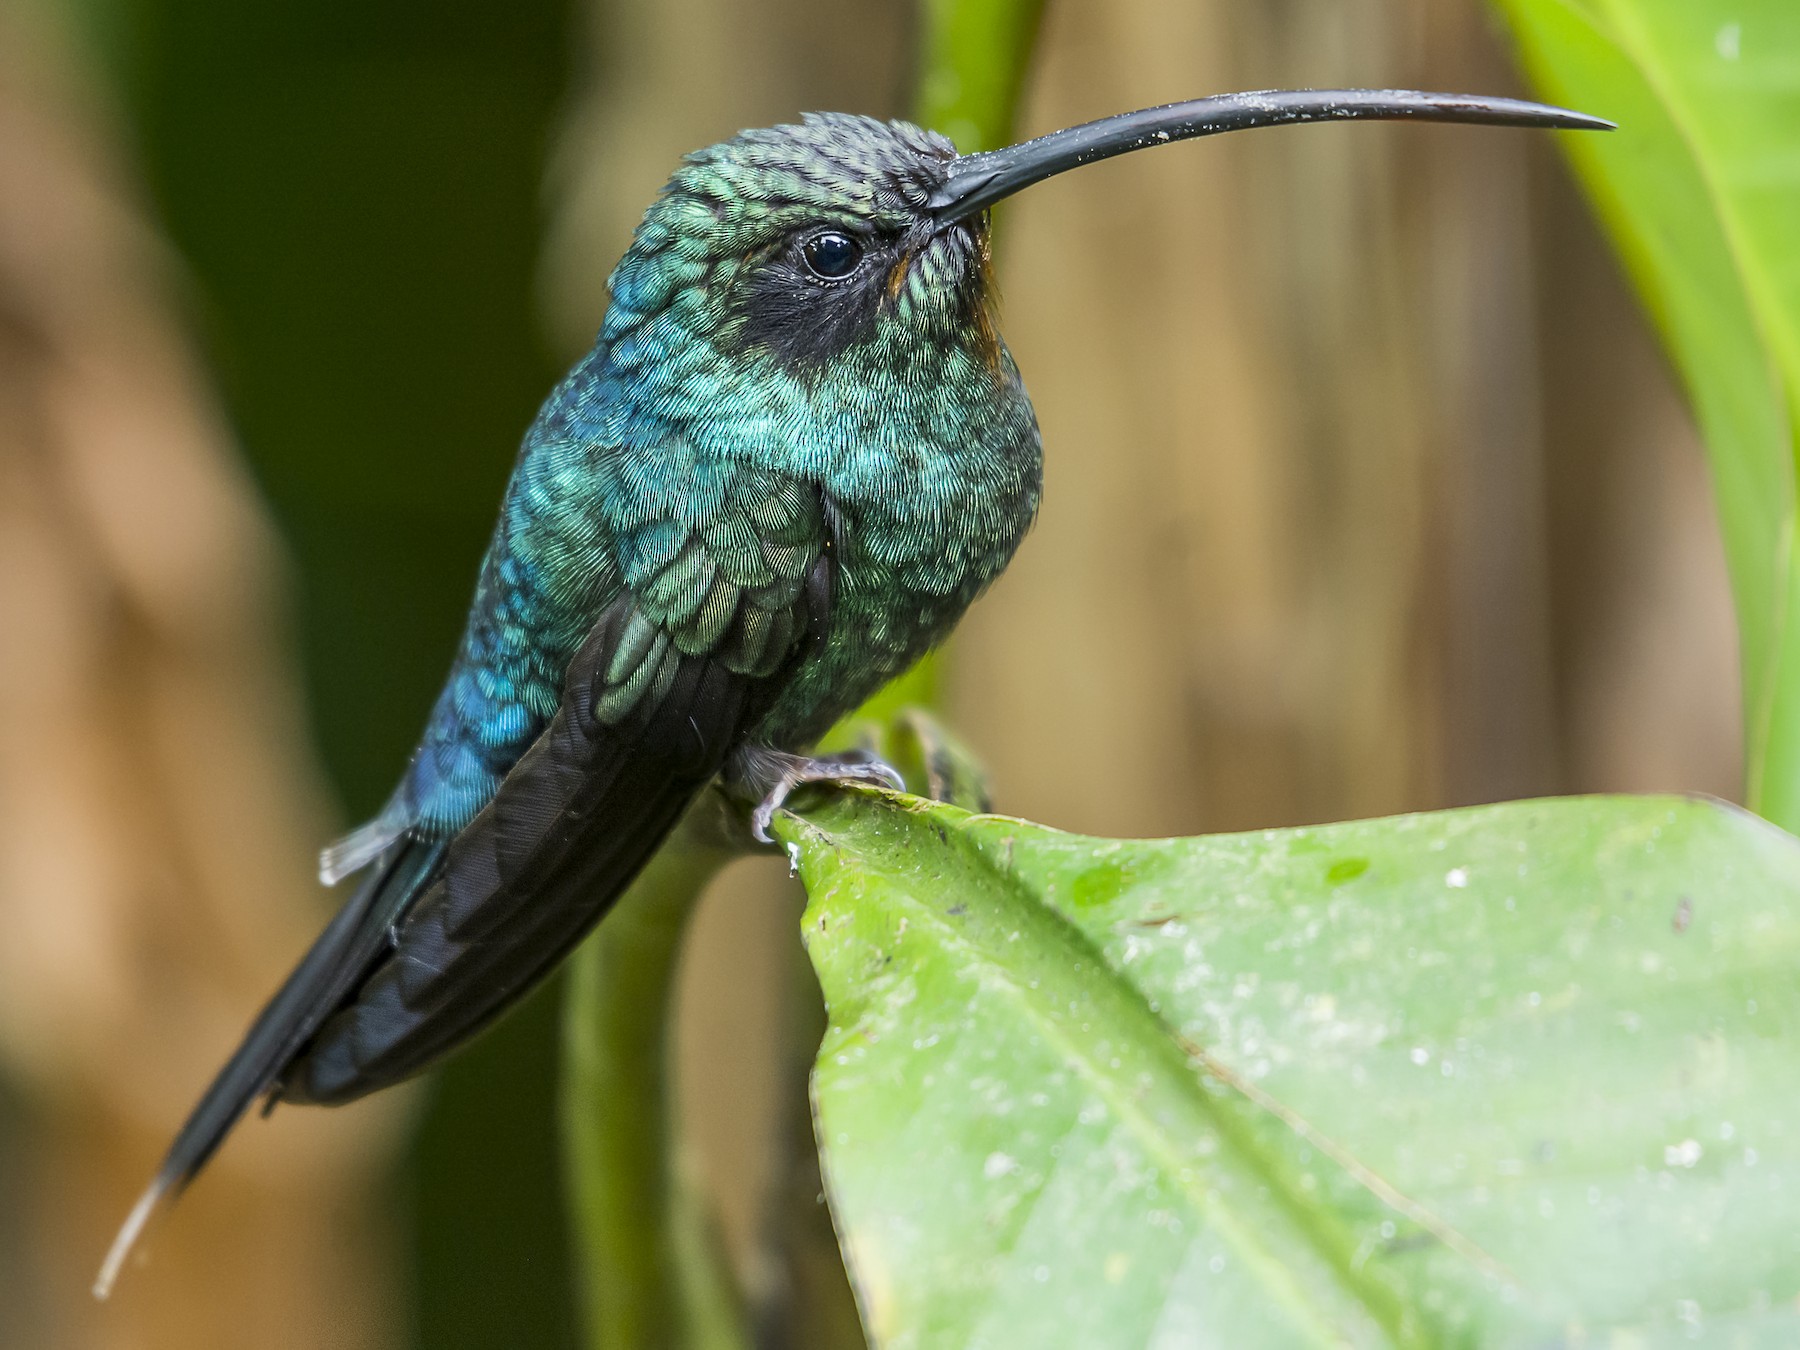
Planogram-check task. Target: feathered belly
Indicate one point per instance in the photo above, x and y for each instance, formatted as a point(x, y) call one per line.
point(891, 604)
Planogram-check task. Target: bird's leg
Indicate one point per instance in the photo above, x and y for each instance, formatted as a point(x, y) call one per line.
point(769, 776)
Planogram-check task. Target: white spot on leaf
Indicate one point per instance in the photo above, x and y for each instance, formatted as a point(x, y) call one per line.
point(1684, 1154)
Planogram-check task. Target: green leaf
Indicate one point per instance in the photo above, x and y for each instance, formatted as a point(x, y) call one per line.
point(1510, 1075)
point(1700, 189)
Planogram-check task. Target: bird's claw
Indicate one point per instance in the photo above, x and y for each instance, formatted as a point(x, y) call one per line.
point(856, 766)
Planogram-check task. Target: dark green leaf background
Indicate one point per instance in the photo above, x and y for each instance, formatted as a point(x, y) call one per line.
point(356, 190)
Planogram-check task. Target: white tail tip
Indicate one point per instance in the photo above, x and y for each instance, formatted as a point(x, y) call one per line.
point(129, 1233)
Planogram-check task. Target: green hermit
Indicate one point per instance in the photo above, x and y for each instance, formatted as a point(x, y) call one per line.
point(796, 454)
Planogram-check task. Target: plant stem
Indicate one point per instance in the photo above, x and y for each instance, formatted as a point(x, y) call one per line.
point(651, 1276)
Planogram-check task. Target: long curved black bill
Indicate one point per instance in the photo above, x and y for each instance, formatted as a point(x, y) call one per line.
point(979, 180)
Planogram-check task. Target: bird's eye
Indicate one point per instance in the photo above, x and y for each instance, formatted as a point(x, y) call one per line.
point(831, 256)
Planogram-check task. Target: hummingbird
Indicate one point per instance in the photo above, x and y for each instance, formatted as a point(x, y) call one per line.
point(797, 452)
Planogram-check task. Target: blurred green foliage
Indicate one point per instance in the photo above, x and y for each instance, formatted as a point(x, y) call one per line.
point(972, 65)
point(356, 191)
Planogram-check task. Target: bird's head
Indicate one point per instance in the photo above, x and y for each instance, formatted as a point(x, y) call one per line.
point(808, 241)
point(802, 243)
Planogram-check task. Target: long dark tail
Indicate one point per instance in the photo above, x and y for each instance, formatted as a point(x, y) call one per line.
point(326, 975)
point(574, 822)
point(444, 937)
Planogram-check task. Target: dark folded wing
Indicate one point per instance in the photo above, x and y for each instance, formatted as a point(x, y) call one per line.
point(668, 682)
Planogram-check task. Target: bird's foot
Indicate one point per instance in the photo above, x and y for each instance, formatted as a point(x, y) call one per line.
point(776, 773)
point(934, 762)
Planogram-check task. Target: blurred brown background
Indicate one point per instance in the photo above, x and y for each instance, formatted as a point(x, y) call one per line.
point(1367, 492)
